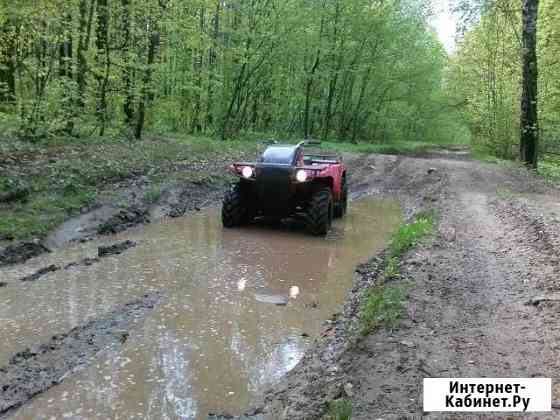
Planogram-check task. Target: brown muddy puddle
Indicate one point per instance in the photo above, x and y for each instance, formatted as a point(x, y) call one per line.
point(240, 308)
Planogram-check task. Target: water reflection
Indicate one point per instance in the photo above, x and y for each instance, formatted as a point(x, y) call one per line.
point(236, 305)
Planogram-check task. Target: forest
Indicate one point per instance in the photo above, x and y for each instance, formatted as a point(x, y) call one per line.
point(347, 70)
point(340, 70)
point(485, 77)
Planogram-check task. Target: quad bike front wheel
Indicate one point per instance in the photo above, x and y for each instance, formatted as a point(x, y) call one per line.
point(234, 210)
point(320, 212)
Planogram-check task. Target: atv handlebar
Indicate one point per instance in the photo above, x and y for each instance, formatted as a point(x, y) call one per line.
point(309, 143)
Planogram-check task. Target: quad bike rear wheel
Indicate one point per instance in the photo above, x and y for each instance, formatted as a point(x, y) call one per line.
point(234, 209)
point(320, 212)
point(341, 207)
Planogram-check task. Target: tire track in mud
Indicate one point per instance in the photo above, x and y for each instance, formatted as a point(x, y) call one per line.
point(40, 367)
point(541, 235)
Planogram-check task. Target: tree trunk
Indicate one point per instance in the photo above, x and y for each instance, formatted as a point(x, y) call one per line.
point(529, 117)
point(102, 62)
point(66, 74)
point(212, 59)
point(65, 49)
point(128, 105)
point(86, 18)
point(334, 75)
point(308, 87)
point(7, 66)
point(309, 81)
point(198, 67)
point(152, 51)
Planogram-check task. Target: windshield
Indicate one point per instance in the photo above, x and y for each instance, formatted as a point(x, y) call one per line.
point(280, 155)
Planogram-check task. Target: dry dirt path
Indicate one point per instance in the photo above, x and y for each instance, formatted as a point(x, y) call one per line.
point(474, 307)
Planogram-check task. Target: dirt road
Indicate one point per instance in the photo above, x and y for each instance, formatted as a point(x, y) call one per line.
point(484, 299)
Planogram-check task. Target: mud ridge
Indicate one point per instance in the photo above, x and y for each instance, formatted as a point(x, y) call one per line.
point(116, 249)
point(123, 220)
point(86, 262)
point(40, 273)
point(36, 369)
point(20, 253)
point(103, 252)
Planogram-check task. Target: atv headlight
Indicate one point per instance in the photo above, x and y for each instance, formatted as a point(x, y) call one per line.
point(301, 175)
point(247, 172)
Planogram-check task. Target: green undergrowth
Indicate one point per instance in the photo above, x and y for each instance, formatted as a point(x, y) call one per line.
point(47, 182)
point(383, 306)
point(410, 234)
point(549, 169)
point(153, 194)
point(384, 303)
point(339, 410)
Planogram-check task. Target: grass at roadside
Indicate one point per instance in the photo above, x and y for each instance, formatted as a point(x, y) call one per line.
point(410, 234)
point(384, 302)
point(339, 410)
point(42, 184)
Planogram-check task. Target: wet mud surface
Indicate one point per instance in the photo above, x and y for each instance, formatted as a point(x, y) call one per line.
point(102, 252)
point(40, 367)
point(240, 309)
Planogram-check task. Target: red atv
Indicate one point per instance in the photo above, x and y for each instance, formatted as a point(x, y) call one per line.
point(287, 182)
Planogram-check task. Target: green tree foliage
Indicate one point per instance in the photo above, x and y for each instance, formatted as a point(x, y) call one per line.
point(354, 70)
point(485, 77)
